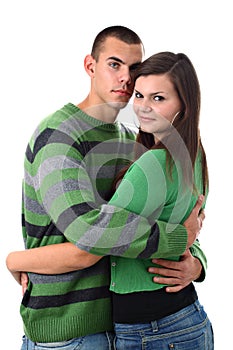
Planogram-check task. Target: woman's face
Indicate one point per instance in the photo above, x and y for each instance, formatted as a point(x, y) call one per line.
point(156, 103)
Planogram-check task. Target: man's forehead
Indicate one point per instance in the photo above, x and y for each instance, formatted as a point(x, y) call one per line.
point(122, 52)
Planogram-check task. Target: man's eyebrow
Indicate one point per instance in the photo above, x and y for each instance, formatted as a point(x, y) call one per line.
point(115, 59)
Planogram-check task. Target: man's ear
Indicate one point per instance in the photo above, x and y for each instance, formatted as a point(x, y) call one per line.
point(89, 65)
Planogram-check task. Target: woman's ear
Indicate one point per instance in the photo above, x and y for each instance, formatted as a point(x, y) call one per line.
point(89, 65)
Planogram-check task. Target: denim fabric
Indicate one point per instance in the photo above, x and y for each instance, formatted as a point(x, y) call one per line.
point(99, 341)
point(187, 329)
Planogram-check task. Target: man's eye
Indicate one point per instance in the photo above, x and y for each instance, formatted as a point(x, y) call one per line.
point(114, 64)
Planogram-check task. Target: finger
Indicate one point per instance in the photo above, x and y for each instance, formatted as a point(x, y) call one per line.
point(198, 204)
point(168, 264)
point(24, 288)
point(165, 272)
point(202, 215)
point(174, 289)
point(24, 282)
point(166, 280)
point(24, 277)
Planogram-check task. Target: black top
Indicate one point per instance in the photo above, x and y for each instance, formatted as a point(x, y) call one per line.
point(143, 307)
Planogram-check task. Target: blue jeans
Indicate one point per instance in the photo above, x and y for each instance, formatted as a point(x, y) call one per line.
point(187, 329)
point(99, 341)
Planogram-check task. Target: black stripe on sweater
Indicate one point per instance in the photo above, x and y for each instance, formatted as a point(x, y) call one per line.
point(84, 295)
point(49, 136)
point(152, 243)
point(38, 231)
point(71, 214)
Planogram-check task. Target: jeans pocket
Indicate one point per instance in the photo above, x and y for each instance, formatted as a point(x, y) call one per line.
point(70, 344)
point(194, 344)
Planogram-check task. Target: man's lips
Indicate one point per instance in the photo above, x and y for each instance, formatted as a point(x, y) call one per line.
point(122, 92)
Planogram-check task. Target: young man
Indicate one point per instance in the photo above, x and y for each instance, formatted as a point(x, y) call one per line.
point(70, 164)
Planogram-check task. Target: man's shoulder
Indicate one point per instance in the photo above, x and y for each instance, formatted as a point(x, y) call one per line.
point(56, 118)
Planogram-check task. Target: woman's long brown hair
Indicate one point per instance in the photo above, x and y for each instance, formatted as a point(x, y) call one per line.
point(182, 74)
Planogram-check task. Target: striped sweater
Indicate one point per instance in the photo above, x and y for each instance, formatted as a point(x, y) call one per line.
point(70, 164)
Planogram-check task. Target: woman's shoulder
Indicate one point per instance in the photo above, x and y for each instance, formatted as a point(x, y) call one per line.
point(153, 156)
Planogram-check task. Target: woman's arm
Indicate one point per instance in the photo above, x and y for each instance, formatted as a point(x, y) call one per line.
point(51, 259)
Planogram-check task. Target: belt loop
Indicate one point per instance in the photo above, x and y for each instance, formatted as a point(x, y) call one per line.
point(154, 326)
point(197, 305)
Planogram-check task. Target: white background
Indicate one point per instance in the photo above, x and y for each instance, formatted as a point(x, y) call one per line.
point(43, 44)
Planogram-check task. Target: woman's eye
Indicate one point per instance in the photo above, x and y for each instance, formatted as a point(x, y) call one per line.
point(138, 95)
point(158, 98)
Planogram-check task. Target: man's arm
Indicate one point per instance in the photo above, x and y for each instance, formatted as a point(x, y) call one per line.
point(107, 229)
point(104, 230)
point(126, 226)
point(66, 257)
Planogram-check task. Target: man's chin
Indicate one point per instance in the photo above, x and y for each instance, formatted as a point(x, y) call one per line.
point(118, 105)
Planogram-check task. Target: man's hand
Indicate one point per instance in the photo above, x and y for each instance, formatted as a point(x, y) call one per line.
point(179, 274)
point(194, 222)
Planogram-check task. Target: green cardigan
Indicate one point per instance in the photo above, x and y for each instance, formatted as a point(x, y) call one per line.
point(148, 190)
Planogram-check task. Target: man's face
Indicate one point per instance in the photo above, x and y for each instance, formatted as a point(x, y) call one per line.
point(111, 82)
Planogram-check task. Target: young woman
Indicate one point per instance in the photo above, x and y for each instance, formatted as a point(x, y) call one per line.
point(163, 183)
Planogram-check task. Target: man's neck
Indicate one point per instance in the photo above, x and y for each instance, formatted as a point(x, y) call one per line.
point(102, 112)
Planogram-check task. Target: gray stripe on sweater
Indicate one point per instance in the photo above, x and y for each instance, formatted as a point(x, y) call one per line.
point(127, 236)
point(49, 165)
point(102, 267)
point(75, 126)
point(33, 206)
point(60, 188)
